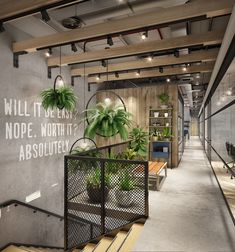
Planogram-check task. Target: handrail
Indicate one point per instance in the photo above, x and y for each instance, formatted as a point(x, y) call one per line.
point(17, 202)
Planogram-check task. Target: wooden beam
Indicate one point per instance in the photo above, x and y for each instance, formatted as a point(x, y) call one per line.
point(11, 9)
point(202, 56)
point(208, 38)
point(209, 8)
point(203, 68)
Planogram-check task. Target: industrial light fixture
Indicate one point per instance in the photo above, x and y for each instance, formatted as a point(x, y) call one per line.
point(48, 53)
point(109, 40)
point(168, 80)
point(98, 77)
point(45, 16)
point(103, 63)
point(138, 73)
point(160, 69)
point(184, 69)
point(198, 76)
point(73, 47)
point(116, 75)
point(176, 53)
point(144, 35)
point(2, 29)
point(229, 92)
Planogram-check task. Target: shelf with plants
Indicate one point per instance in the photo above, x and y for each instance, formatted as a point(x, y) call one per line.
point(160, 130)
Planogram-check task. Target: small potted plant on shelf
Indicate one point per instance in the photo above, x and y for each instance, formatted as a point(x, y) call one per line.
point(156, 114)
point(164, 99)
point(62, 97)
point(166, 115)
point(94, 189)
point(124, 193)
point(166, 134)
point(155, 135)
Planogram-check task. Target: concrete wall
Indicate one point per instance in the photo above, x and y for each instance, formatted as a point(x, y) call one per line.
point(20, 173)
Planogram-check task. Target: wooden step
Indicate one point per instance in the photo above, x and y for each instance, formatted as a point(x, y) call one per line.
point(13, 249)
point(117, 241)
point(89, 247)
point(131, 238)
point(103, 244)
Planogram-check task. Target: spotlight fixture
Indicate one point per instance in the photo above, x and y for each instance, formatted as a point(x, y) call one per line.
point(229, 92)
point(116, 75)
point(45, 16)
point(98, 77)
point(198, 76)
point(176, 53)
point(168, 80)
point(109, 40)
point(149, 58)
point(144, 35)
point(138, 73)
point(73, 47)
point(160, 69)
point(103, 63)
point(48, 53)
point(184, 69)
point(2, 29)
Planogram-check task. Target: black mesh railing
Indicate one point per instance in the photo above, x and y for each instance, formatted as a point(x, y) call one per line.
point(103, 194)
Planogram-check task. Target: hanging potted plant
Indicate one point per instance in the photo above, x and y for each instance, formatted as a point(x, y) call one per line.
point(124, 193)
point(164, 99)
point(94, 189)
point(107, 120)
point(138, 142)
point(59, 97)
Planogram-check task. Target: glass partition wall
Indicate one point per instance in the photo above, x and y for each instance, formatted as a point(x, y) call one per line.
point(217, 133)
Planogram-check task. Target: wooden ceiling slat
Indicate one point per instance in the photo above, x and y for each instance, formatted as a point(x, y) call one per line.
point(208, 8)
point(202, 68)
point(208, 38)
point(202, 56)
point(12, 8)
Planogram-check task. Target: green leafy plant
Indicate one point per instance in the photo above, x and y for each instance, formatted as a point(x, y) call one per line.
point(139, 141)
point(166, 133)
point(111, 167)
point(62, 97)
point(94, 179)
point(156, 134)
point(164, 98)
point(108, 120)
point(128, 154)
point(125, 181)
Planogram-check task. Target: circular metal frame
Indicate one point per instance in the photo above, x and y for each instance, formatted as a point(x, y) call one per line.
point(82, 138)
point(101, 91)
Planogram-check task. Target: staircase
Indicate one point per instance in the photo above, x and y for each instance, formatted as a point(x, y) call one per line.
point(123, 242)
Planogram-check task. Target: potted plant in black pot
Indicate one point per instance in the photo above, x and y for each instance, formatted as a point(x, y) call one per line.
point(124, 192)
point(164, 100)
point(94, 189)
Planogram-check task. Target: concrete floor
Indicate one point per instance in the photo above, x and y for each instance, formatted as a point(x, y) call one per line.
point(189, 213)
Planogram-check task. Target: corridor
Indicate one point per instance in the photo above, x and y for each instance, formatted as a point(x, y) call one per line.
point(189, 213)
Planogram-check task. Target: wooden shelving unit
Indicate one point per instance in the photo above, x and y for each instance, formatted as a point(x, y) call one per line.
point(161, 149)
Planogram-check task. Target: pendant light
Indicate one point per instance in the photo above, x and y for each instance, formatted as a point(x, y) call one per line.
point(59, 82)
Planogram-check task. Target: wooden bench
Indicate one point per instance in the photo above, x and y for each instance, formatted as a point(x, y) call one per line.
point(155, 178)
